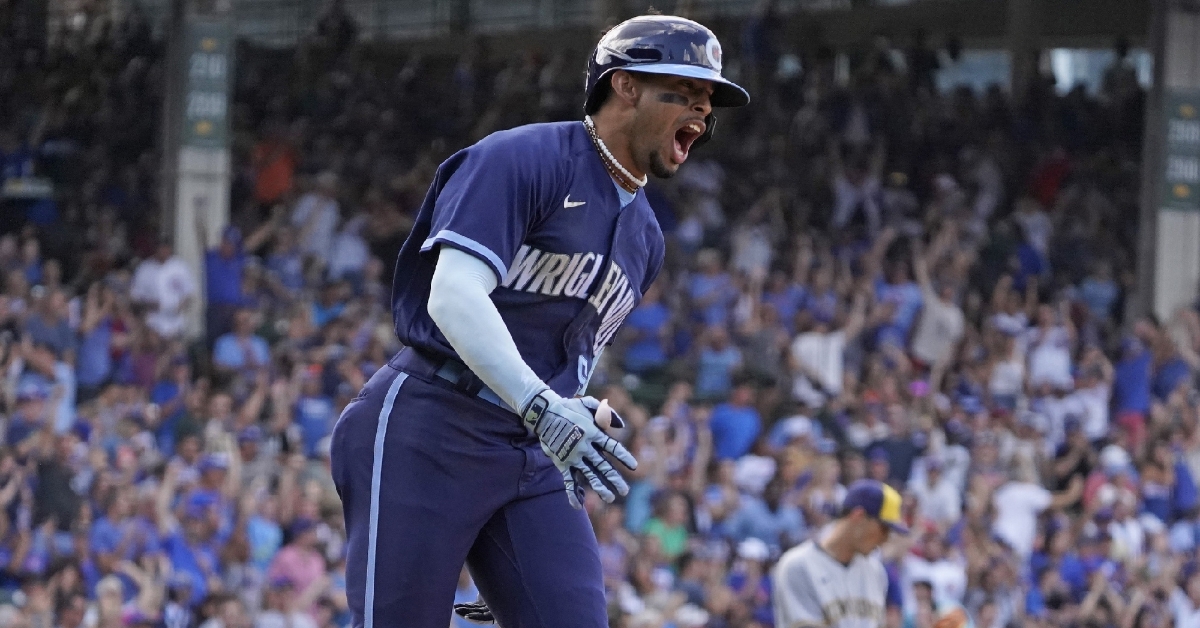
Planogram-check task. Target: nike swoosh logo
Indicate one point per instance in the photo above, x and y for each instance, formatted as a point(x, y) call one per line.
point(567, 202)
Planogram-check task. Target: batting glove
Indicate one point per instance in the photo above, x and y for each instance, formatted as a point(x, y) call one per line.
point(569, 434)
point(476, 612)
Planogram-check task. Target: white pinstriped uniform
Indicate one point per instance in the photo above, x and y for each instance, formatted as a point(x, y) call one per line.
point(811, 588)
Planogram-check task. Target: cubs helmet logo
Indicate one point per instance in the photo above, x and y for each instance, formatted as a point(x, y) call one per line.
point(713, 50)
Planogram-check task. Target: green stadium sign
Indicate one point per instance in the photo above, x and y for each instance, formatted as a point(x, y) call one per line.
point(1181, 166)
point(206, 100)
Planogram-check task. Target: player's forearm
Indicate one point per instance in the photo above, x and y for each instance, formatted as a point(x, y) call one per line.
point(460, 305)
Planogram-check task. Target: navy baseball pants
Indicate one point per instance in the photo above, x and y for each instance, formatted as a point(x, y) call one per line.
point(431, 478)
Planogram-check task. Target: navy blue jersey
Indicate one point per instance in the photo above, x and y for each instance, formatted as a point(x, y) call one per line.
point(537, 205)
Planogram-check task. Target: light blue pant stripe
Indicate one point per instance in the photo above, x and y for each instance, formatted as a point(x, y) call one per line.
point(376, 477)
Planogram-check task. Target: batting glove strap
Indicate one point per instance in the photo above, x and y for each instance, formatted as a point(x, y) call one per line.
point(558, 428)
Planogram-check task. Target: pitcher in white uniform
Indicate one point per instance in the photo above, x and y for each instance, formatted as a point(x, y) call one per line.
point(838, 581)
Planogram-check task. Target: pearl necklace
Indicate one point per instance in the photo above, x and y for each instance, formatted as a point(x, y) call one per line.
point(624, 178)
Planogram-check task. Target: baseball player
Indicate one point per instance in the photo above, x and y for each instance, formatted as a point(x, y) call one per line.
point(836, 581)
point(528, 252)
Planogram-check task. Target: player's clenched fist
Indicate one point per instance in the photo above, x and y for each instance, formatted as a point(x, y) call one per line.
point(569, 434)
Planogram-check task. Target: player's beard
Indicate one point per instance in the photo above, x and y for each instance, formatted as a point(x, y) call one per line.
point(643, 128)
point(659, 167)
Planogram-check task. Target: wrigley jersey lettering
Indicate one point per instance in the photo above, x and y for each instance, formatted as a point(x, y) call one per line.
point(536, 204)
point(811, 588)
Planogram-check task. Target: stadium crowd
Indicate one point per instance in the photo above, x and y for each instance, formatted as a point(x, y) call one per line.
point(867, 277)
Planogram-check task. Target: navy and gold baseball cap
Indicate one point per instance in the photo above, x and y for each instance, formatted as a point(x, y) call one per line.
point(876, 499)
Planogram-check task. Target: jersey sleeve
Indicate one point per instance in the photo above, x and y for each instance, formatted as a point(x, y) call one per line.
point(142, 288)
point(491, 201)
point(1040, 498)
point(795, 597)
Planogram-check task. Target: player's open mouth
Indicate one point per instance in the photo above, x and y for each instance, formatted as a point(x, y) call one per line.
point(684, 137)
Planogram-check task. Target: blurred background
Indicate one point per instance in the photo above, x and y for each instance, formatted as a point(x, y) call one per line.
point(953, 245)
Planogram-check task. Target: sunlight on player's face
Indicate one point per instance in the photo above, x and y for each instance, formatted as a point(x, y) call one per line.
point(671, 117)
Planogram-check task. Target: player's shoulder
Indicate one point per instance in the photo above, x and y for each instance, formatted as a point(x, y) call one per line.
point(538, 143)
point(800, 557)
point(804, 549)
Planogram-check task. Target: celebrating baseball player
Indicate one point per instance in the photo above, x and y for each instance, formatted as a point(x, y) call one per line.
point(836, 581)
point(529, 251)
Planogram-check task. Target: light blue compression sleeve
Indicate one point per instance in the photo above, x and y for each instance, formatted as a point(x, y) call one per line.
point(460, 305)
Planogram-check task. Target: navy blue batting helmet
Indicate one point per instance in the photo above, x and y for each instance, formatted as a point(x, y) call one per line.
point(660, 44)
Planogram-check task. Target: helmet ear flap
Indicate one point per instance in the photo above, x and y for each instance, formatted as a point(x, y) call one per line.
point(710, 125)
point(598, 94)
